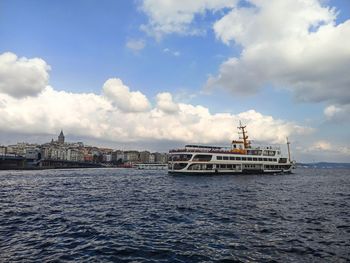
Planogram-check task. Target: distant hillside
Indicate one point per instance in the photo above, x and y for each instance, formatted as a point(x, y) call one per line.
point(325, 165)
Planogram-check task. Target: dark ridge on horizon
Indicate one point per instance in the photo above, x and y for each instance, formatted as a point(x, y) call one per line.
point(325, 165)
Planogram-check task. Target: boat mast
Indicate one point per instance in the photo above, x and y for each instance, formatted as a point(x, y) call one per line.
point(245, 136)
point(288, 146)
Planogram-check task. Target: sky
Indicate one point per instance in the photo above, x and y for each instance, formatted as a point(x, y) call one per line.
point(158, 74)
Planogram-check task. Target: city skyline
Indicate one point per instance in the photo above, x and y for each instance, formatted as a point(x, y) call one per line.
point(61, 141)
point(60, 153)
point(157, 75)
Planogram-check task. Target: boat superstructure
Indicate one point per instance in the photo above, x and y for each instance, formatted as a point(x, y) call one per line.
point(240, 157)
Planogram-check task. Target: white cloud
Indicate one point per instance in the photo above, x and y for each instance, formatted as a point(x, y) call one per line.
point(169, 16)
point(165, 103)
point(122, 115)
point(272, 20)
point(124, 99)
point(96, 116)
point(337, 113)
point(21, 77)
point(172, 52)
point(292, 44)
point(321, 146)
point(289, 44)
point(52, 110)
point(326, 147)
point(135, 45)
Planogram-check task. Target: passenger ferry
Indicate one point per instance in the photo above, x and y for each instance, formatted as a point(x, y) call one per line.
point(240, 158)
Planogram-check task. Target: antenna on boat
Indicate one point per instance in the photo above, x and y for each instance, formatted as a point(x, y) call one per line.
point(288, 146)
point(245, 136)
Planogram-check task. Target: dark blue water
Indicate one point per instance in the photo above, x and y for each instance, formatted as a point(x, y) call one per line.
point(121, 215)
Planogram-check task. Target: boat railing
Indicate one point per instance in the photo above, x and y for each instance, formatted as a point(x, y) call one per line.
point(275, 148)
point(226, 151)
point(204, 151)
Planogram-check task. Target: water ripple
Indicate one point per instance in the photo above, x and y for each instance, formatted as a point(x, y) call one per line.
point(124, 215)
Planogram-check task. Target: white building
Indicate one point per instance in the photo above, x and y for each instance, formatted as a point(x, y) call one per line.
point(3, 150)
point(131, 156)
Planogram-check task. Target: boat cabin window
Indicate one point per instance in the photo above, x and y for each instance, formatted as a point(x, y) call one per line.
point(254, 152)
point(244, 158)
point(269, 153)
point(277, 167)
point(195, 166)
point(282, 160)
point(225, 158)
point(238, 158)
point(226, 166)
point(180, 157)
point(218, 157)
point(249, 158)
point(209, 167)
point(255, 159)
point(200, 166)
point(202, 158)
point(265, 159)
point(179, 166)
point(275, 160)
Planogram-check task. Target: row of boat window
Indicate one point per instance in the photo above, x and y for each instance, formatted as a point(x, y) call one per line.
point(187, 157)
point(279, 167)
point(180, 157)
point(208, 157)
point(200, 166)
point(239, 158)
point(265, 152)
point(260, 152)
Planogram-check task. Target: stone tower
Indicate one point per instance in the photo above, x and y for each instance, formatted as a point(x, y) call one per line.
point(61, 138)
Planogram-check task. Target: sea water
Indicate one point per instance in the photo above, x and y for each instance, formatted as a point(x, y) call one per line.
point(126, 215)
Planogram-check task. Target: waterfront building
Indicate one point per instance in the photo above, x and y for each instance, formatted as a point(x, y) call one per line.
point(20, 148)
point(76, 152)
point(17, 149)
point(152, 158)
point(118, 156)
point(3, 150)
point(144, 156)
point(107, 157)
point(92, 154)
point(58, 153)
point(95, 151)
point(106, 154)
point(75, 155)
point(160, 157)
point(131, 156)
point(33, 154)
point(88, 157)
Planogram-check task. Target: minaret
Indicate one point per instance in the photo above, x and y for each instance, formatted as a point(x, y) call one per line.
point(61, 138)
